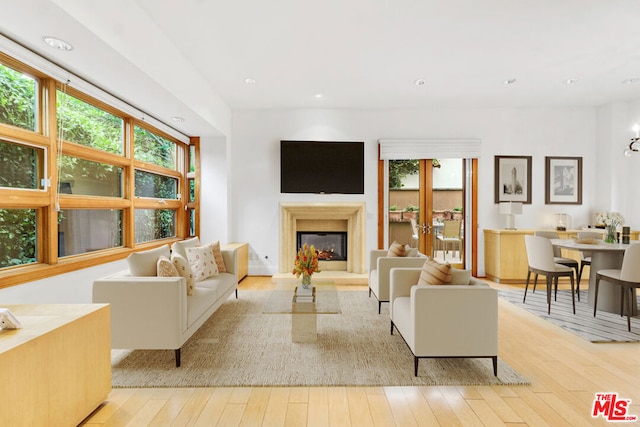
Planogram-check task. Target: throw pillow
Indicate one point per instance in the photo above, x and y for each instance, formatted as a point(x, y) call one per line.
point(217, 254)
point(145, 263)
point(182, 265)
point(435, 273)
point(397, 250)
point(166, 268)
point(202, 263)
point(460, 277)
point(181, 247)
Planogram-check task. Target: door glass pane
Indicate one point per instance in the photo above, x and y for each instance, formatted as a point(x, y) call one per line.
point(17, 237)
point(448, 202)
point(404, 199)
point(87, 230)
point(79, 176)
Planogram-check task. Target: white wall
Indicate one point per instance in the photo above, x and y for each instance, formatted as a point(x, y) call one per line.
point(538, 132)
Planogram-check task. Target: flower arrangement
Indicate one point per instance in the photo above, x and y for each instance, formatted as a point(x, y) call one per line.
point(613, 219)
point(306, 262)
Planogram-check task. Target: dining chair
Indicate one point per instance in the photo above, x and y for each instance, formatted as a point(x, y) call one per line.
point(585, 256)
point(451, 234)
point(541, 261)
point(557, 256)
point(628, 277)
point(415, 237)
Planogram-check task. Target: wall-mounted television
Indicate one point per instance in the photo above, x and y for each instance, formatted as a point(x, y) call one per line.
point(322, 167)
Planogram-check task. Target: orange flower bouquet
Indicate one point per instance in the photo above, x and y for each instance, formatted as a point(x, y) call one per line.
point(306, 264)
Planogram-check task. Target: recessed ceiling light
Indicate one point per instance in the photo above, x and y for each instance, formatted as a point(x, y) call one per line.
point(631, 80)
point(318, 95)
point(57, 43)
point(570, 81)
point(250, 81)
point(510, 81)
point(177, 119)
point(419, 82)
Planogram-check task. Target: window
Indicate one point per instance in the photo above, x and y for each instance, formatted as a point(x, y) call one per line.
point(18, 237)
point(21, 166)
point(79, 176)
point(119, 180)
point(154, 224)
point(85, 124)
point(87, 230)
point(18, 99)
point(152, 148)
point(154, 185)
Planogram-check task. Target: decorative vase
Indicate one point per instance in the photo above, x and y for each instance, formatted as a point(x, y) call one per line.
point(306, 281)
point(610, 236)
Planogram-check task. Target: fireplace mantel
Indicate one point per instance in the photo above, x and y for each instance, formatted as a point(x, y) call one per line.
point(354, 214)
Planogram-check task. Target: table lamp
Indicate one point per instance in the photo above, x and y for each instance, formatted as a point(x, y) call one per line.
point(510, 209)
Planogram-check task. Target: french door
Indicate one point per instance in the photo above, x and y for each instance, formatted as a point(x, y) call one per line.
point(429, 204)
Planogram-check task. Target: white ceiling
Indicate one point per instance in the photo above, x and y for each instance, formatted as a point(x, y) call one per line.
point(189, 58)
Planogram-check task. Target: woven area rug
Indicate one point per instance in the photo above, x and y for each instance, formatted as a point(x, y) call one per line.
point(241, 346)
point(605, 327)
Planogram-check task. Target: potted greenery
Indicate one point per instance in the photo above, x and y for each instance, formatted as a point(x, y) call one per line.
point(457, 213)
point(410, 212)
point(394, 213)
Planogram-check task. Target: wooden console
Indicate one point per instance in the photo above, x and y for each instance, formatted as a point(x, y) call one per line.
point(56, 369)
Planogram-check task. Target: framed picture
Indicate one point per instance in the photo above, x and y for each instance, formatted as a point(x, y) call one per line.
point(513, 179)
point(563, 180)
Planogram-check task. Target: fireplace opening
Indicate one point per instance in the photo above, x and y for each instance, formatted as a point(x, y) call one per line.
point(330, 245)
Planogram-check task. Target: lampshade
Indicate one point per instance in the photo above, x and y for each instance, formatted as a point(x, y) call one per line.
point(511, 208)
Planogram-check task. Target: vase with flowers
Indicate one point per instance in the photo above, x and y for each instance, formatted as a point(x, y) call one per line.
point(306, 263)
point(611, 221)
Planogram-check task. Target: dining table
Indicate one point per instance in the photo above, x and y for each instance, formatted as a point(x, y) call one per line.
point(603, 256)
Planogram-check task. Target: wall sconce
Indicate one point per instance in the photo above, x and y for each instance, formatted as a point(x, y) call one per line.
point(629, 151)
point(510, 209)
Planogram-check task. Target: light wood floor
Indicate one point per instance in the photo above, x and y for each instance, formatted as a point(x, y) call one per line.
point(565, 373)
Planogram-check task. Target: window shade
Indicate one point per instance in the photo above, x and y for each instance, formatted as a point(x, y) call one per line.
point(406, 149)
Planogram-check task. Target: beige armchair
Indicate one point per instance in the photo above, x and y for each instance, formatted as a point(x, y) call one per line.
point(445, 321)
point(379, 267)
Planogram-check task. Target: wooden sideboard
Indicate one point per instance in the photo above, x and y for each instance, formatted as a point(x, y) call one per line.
point(505, 255)
point(56, 369)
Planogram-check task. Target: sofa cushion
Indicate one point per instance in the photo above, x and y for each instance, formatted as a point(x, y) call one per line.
point(165, 268)
point(460, 277)
point(435, 273)
point(397, 250)
point(145, 263)
point(217, 254)
point(184, 269)
point(202, 263)
point(181, 247)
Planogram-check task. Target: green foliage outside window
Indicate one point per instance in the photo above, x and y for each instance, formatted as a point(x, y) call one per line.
point(17, 237)
point(154, 224)
point(19, 165)
point(398, 169)
point(87, 125)
point(152, 148)
point(17, 99)
point(155, 186)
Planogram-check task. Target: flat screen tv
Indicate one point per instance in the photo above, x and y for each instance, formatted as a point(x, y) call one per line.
point(322, 167)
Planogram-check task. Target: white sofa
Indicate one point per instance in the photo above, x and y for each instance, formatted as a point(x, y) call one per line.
point(380, 265)
point(445, 321)
point(149, 312)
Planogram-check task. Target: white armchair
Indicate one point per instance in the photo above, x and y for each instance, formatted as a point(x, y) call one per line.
point(445, 321)
point(380, 265)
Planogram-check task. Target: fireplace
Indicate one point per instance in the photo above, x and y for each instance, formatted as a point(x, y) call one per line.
point(324, 217)
point(330, 245)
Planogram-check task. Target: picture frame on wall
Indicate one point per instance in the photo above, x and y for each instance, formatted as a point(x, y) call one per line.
point(563, 180)
point(513, 179)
